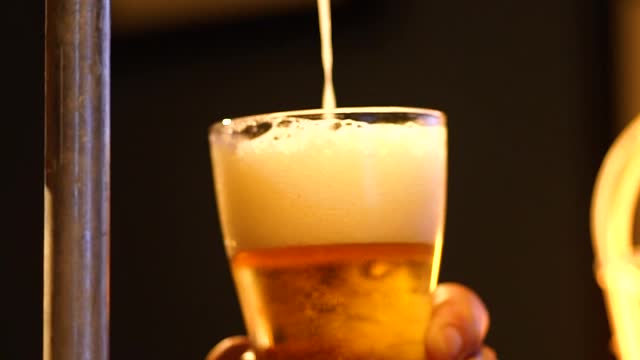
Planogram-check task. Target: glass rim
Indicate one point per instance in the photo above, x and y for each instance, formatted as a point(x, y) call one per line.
point(219, 125)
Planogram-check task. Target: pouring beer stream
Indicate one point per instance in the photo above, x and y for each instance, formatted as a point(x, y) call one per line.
point(328, 94)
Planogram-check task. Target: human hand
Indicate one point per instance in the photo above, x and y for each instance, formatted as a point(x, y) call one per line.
point(458, 326)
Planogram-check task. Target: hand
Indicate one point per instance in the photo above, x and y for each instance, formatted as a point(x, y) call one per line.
point(458, 326)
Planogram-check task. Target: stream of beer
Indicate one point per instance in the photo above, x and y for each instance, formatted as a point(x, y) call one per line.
point(324, 14)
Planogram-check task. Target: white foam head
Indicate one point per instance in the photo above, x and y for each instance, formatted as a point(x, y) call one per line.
point(308, 182)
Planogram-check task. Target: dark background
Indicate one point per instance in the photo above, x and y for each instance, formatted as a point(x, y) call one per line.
point(526, 86)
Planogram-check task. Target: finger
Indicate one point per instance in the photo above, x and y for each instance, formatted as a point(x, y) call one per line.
point(230, 348)
point(486, 353)
point(459, 323)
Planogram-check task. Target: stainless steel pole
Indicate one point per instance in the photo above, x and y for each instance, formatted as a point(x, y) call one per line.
point(77, 180)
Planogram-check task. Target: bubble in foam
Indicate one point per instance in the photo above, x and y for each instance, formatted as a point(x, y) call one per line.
point(252, 131)
point(284, 123)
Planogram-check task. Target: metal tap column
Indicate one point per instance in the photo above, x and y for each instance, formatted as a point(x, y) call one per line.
point(77, 180)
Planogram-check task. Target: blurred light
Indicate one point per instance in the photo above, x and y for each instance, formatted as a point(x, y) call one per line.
point(248, 356)
point(226, 122)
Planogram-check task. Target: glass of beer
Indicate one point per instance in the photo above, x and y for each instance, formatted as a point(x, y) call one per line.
point(333, 224)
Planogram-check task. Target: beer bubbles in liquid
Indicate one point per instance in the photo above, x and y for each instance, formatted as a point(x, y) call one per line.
point(343, 301)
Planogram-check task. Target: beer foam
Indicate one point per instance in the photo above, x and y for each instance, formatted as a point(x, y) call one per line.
point(310, 182)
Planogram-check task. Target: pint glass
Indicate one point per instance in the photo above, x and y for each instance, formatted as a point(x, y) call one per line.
point(333, 225)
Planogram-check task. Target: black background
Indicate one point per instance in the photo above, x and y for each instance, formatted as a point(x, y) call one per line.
point(526, 86)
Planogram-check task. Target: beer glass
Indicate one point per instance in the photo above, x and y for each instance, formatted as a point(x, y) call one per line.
point(614, 213)
point(333, 225)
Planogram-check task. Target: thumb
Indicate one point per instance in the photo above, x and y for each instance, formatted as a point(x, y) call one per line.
point(459, 323)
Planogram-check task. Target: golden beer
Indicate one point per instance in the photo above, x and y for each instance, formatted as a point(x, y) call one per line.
point(365, 301)
point(333, 226)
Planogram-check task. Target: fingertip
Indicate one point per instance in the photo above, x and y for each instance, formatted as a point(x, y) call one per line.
point(457, 310)
point(230, 348)
point(456, 299)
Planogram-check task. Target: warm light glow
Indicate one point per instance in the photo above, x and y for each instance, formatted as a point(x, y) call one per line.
point(226, 122)
point(612, 220)
point(249, 355)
